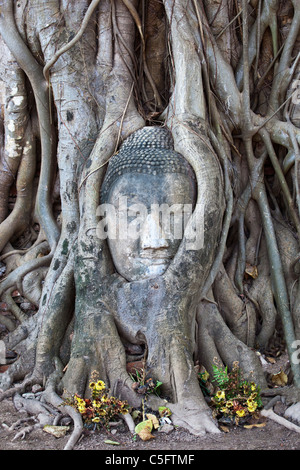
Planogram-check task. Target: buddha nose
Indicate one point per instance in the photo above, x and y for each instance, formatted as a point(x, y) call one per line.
point(152, 234)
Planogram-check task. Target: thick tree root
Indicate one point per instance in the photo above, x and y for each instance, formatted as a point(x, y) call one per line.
point(193, 418)
point(278, 419)
point(217, 345)
point(293, 413)
point(129, 422)
point(190, 414)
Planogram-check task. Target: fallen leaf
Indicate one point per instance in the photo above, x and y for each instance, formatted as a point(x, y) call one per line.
point(224, 428)
point(57, 431)
point(145, 434)
point(144, 429)
point(135, 414)
point(279, 379)
point(164, 411)
point(271, 360)
point(144, 424)
point(154, 420)
point(135, 367)
point(251, 271)
point(113, 443)
point(256, 425)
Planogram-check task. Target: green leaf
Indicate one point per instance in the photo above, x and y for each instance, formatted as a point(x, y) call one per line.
point(113, 443)
point(220, 376)
point(164, 411)
point(144, 424)
point(135, 414)
point(144, 429)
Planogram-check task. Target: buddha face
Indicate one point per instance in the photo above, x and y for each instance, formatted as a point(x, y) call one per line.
point(148, 214)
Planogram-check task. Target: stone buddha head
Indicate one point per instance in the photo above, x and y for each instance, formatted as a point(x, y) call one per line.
point(147, 197)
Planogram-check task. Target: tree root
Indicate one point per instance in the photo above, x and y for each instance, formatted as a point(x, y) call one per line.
point(27, 430)
point(41, 414)
point(49, 409)
point(217, 344)
point(78, 425)
point(278, 419)
point(129, 421)
point(194, 419)
point(293, 413)
point(190, 413)
point(76, 38)
point(17, 423)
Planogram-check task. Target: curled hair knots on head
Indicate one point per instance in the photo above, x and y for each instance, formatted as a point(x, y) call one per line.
point(148, 151)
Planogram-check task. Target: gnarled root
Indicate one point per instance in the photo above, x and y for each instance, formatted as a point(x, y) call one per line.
point(280, 420)
point(217, 344)
point(40, 413)
point(189, 416)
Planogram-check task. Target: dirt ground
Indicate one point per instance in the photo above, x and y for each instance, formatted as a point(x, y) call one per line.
point(271, 436)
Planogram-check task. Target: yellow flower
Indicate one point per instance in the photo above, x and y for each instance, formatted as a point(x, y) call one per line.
point(80, 403)
point(100, 385)
point(250, 401)
point(252, 407)
point(253, 386)
point(205, 376)
point(96, 420)
point(81, 409)
point(224, 409)
point(240, 413)
point(229, 404)
point(220, 395)
point(96, 404)
point(92, 385)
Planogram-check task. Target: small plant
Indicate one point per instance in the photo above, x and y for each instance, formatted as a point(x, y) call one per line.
point(100, 409)
point(235, 398)
point(203, 379)
point(143, 384)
